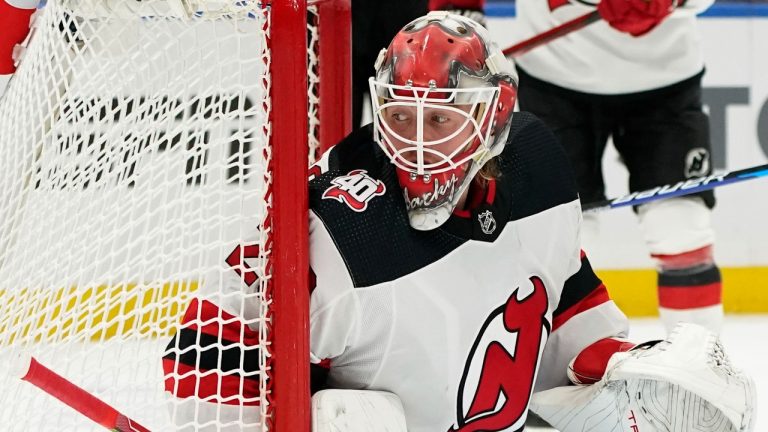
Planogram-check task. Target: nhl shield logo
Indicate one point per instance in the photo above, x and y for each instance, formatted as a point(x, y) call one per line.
point(355, 189)
point(487, 222)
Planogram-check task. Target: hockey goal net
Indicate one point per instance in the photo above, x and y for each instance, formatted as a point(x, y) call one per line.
point(151, 152)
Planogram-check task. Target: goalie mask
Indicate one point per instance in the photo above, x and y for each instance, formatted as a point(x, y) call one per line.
point(442, 101)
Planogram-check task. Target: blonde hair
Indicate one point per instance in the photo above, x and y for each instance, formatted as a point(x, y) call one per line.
point(489, 171)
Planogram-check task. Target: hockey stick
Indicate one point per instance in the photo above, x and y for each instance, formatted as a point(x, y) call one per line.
point(680, 188)
point(563, 29)
point(76, 398)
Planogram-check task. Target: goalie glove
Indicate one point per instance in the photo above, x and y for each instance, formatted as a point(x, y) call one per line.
point(683, 383)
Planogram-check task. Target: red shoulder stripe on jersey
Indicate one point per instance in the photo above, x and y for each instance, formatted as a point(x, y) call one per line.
point(207, 318)
point(184, 381)
point(580, 292)
point(597, 297)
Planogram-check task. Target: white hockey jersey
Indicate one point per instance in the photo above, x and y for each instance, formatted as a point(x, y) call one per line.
point(599, 59)
point(462, 321)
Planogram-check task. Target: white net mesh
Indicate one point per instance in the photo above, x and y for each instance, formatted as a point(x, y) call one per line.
point(313, 83)
point(133, 147)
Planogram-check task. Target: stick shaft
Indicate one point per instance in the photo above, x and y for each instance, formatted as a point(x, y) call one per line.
point(79, 399)
point(563, 29)
point(680, 188)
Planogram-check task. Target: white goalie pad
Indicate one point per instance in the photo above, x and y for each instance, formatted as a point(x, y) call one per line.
point(685, 383)
point(357, 411)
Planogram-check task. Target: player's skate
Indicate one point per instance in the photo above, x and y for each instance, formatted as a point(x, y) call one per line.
point(683, 384)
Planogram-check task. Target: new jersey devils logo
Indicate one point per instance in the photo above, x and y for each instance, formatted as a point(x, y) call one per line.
point(355, 189)
point(697, 162)
point(501, 367)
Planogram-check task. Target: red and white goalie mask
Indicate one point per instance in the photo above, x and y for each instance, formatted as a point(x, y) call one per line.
point(442, 101)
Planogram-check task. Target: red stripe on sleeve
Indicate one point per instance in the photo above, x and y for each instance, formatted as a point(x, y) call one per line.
point(690, 297)
point(595, 298)
point(184, 381)
point(207, 318)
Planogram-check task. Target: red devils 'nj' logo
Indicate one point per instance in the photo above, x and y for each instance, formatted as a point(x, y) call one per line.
point(500, 370)
point(355, 189)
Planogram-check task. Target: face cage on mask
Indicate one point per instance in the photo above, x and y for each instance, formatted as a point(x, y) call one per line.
point(482, 102)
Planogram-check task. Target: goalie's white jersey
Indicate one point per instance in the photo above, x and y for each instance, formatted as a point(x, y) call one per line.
point(460, 321)
point(599, 59)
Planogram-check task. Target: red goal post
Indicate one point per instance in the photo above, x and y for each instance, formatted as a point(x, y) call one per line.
point(141, 144)
point(290, 233)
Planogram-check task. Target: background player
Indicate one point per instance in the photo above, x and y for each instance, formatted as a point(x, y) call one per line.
point(635, 77)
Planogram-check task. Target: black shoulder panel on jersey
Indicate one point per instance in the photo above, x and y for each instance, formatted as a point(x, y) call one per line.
point(535, 170)
point(355, 151)
point(377, 243)
point(578, 287)
point(535, 175)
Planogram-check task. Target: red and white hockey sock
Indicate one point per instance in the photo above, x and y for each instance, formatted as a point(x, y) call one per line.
point(690, 289)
